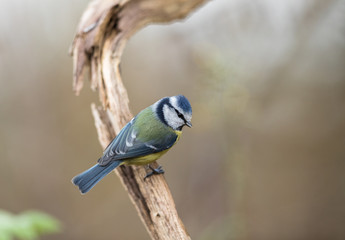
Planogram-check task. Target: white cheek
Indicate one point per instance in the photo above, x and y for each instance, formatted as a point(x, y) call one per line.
point(171, 118)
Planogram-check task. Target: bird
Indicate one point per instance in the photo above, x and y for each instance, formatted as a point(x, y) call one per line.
point(149, 135)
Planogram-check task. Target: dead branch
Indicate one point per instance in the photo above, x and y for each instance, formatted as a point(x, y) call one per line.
point(101, 36)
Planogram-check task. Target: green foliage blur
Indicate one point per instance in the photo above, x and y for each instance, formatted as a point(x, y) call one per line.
point(29, 225)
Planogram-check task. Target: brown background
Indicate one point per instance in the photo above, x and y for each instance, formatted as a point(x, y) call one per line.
point(265, 156)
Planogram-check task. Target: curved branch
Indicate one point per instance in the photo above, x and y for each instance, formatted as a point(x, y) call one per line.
point(102, 34)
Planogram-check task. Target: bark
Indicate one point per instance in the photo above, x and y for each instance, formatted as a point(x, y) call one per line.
point(101, 36)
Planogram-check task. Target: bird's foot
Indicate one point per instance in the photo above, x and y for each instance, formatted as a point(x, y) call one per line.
point(154, 171)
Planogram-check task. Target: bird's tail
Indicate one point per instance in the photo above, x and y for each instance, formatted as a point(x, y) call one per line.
point(86, 180)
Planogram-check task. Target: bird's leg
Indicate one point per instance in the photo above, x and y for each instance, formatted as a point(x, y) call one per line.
point(154, 171)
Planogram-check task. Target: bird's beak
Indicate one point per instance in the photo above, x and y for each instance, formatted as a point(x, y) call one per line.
point(189, 124)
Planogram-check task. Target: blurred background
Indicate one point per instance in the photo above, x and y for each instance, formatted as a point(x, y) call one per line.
point(265, 158)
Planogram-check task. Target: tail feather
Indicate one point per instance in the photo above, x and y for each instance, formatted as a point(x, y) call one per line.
point(88, 179)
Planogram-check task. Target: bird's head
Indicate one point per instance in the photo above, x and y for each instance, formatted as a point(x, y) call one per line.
point(175, 111)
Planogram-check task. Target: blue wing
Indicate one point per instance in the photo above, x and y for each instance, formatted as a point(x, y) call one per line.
point(127, 144)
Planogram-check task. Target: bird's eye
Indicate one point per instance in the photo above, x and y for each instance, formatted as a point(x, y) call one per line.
point(178, 114)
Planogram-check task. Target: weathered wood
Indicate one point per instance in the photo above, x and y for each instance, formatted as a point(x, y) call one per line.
point(98, 45)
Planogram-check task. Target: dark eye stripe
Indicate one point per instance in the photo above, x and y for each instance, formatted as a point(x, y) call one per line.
point(180, 115)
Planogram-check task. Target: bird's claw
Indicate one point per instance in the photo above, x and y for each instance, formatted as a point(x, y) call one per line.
point(156, 171)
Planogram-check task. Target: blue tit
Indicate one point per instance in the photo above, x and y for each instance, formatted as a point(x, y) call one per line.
point(148, 136)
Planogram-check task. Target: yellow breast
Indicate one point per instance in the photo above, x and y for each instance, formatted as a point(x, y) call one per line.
point(143, 160)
